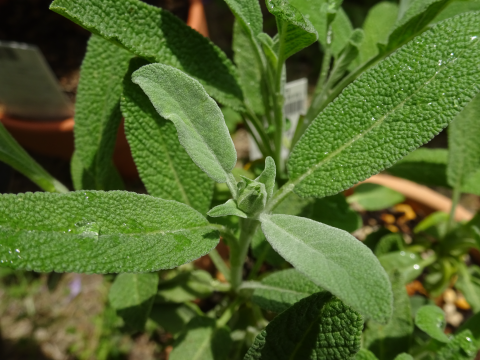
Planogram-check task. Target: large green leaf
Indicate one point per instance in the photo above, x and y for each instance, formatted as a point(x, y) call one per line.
point(387, 341)
point(164, 166)
point(131, 295)
point(100, 232)
point(463, 145)
point(14, 155)
point(200, 125)
point(97, 111)
point(316, 12)
point(249, 14)
point(431, 319)
point(458, 7)
point(202, 340)
point(461, 347)
point(370, 126)
point(378, 23)
point(158, 36)
point(295, 31)
point(318, 327)
point(280, 290)
point(334, 260)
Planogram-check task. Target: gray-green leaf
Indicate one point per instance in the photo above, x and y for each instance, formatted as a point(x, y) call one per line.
point(373, 197)
point(431, 319)
point(464, 145)
point(408, 263)
point(164, 166)
point(229, 208)
point(280, 290)
point(100, 232)
point(158, 36)
point(185, 287)
point(318, 327)
point(14, 155)
point(334, 260)
point(387, 341)
point(295, 31)
point(131, 295)
point(199, 121)
point(97, 110)
point(370, 125)
point(202, 340)
point(267, 177)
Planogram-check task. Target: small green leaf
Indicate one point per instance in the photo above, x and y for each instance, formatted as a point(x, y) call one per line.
point(100, 232)
point(378, 23)
point(348, 54)
point(185, 287)
point(404, 356)
point(365, 354)
point(229, 208)
point(342, 32)
point(469, 284)
point(131, 295)
point(97, 111)
point(369, 126)
point(408, 263)
point(472, 325)
point(14, 155)
point(252, 197)
point(198, 119)
point(463, 145)
point(461, 347)
point(268, 175)
point(201, 339)
point(317, 327)
point(388, 244)
point(164, 166)
point(173, 317)
point(334, 260)
point(316, 12)
point(280, 290)
point(373, 197)
point(387, 341)
point(249, 14)
point(431, 319)
point(158, 36)
point(295, 31)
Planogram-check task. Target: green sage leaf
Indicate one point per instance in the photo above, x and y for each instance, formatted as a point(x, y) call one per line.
point(463, 145)
point(200, 125)
point(408, 263)
point(387, 341)
point(317, 327)
point(316, 12)
point(469, 284)
point(229, 208)
point(249, 14)
point(100, 232)
point(280, 290)
point(173, 317)
point(163, 164)
point(461, 347)
point(14, 155)
point(373, 197)
point(369, 126)
point(457, 7)
point(365, 354)
point(202, 339)
point(334, 260)
point(472, 325)
point(97, 111)
point(431, 319)
point(404, 356)
point(185, 287)
point(295, 31)
point(158, 36)
point(131, 295)
point(341, 31)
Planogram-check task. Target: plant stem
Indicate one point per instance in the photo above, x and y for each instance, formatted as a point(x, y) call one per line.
point(229, 311)
point(455, 198)
point(239, 250)
point(220, 264)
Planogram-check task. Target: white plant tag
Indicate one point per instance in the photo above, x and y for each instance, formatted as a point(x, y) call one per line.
point(28, 88)
point(296, 95)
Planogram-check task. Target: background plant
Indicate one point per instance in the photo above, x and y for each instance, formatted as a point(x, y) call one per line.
point(166, 80)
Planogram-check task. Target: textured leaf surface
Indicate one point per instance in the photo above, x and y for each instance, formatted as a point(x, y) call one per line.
point(131, 295)
point(417, 90)
point(456, 8)
point(334, 260)
point(464, 145)
point(229, 208)
point(387, 341)
point(249, 14)
point(373, 197)
point(202, 340)
point(461, 347)
point(378, 23)
point(14, 155)
point(97, 110)
point(173, 317)
point(165, 167)
point(431, 319)
point(295, 31)
point(316, 12)
point(158, 36)
point(199, 122)
point(318, 327)
point(100, 232)
point(280, 290)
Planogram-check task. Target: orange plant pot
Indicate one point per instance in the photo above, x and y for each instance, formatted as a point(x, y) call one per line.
point(55, 138)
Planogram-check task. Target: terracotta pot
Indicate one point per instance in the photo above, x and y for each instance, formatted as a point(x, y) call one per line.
point(55, 138)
